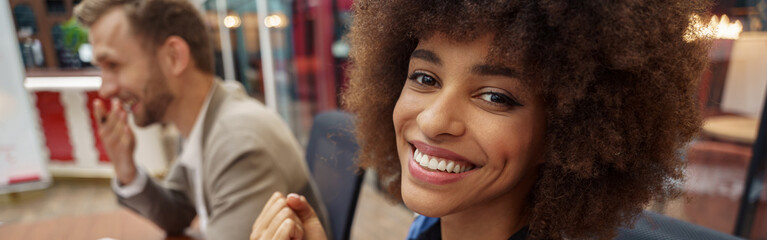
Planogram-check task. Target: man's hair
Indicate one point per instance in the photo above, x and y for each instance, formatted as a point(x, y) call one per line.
point(153, 21)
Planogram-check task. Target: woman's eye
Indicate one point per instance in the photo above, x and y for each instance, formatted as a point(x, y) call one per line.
point(498, 99)
point(423, 79)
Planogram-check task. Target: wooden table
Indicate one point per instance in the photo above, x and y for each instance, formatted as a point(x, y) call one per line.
point(737, 129)
point(119, 224)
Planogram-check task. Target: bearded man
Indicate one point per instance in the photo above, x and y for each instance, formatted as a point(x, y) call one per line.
point(156, 65)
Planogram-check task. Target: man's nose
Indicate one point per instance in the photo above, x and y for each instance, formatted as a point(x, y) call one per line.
point(108, 87)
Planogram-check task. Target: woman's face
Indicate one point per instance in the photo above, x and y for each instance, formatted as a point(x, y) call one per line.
point(469, 134)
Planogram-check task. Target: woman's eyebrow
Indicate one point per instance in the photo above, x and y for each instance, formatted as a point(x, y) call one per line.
point(484, 69)
point(427, 55)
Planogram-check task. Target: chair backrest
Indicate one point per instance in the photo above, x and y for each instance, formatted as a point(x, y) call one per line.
point(652, 226)
point(331, 159)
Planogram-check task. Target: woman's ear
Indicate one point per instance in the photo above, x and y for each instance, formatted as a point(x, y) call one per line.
point(175, 55)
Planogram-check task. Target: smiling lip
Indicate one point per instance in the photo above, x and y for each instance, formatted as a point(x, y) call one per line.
point(431, 176)
point(439, 152)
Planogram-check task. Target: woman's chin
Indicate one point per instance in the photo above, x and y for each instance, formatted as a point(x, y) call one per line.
point(424, 203)
point(423, 208)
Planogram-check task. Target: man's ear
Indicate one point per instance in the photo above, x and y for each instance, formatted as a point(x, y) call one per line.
point(175, 55)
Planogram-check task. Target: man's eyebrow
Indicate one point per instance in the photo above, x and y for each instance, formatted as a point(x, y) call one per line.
point(484, 69)
point(427, 55)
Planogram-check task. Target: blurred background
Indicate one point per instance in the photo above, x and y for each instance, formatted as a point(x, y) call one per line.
point(291, 55)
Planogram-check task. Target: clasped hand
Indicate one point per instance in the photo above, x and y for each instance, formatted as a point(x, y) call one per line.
point(288, 217)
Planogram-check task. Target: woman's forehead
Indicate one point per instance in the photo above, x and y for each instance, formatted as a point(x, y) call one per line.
point(472, 56)
point(477, 47)
point(481, 47)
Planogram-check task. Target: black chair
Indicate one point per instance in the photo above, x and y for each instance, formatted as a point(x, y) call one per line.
point(330, 156)
point(654, 226)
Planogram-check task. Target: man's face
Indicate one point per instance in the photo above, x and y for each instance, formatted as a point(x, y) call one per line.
point(128, 71)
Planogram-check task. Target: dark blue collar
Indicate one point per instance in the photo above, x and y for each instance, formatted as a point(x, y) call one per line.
point(435, 233)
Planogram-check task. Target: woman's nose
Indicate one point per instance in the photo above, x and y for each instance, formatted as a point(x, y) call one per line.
point(442, 117)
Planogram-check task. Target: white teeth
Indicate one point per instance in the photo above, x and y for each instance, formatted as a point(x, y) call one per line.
point(442, 165)
point(433, 163)
point(449, 167)
point(417, 156)
point(438, 164)
point(424, 160)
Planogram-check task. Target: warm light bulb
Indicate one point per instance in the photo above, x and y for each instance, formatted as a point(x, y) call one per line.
point(276, 21)
point(232, 21)
point(719, 28)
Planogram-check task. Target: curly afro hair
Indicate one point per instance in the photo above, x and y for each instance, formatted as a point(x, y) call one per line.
point(618, 81)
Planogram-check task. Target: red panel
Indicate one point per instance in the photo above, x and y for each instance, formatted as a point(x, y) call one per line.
point(54, 126)
point(23, 179)
point(326, 79)
point(344, 5)
point(304, 63)
point(92, 96)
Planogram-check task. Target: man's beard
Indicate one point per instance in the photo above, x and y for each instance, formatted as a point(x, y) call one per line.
point(157, 96)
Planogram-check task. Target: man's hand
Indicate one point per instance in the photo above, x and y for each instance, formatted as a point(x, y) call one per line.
point(287, 218)
point(117, 138)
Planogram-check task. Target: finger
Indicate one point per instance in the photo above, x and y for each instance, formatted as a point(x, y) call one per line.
point(111, 118)
point(301, 207)
point(114, 113)
point(284, 214)
point(268, 212)
point(114, 109)
point(116, 135)
point(311, 224)
point(127, 136)
point(289, 230)
point(98, 112)
point(118, 128)
point(274, 224)
point(272, 199)
point(110, 131)
point(261, 221)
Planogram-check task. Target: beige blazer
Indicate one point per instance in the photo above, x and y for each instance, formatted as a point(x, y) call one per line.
point(248, 153)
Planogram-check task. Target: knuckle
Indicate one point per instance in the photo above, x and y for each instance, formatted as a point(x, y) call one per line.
point(285, 212)
point(280, 203)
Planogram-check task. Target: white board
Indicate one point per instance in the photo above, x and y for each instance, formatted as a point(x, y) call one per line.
point(22, 154)
point(746, 83)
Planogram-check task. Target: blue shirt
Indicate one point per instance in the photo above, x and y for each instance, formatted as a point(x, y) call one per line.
point(428, 228)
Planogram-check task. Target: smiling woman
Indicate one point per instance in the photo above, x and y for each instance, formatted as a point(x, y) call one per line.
point(569, 116)
point(482, 121)
point(523, 119)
